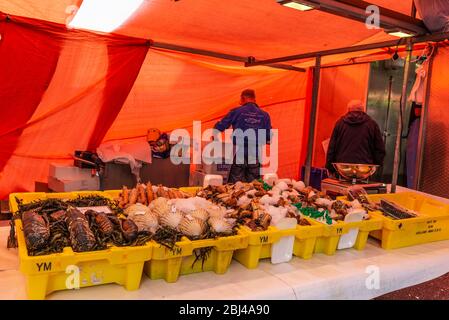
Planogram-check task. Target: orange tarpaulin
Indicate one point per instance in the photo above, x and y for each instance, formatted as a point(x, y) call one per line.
point(111, 87)
point(338, 86)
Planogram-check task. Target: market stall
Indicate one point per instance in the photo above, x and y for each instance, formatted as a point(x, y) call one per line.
point(274, 238)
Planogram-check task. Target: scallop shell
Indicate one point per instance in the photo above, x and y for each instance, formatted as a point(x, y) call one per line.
point(145, 222)
point(137, 208)
point(160, 207)
point(220, 225)
point(159, 201)
point(171, 219)
point(200, 214)
point(215, 211)
point(192, 227)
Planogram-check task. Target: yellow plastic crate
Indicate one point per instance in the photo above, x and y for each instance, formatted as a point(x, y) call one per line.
point(170, 264)
point(54, 272)
point(191, 190)
point(431, 225)
point(328, 242)
point(259, 245)
point(305, 239)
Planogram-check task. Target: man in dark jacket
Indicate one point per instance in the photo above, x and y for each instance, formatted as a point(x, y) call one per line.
point(356, 139)
point(248, 122)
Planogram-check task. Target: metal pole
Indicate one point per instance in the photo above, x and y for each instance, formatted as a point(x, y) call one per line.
point(436, 37)
point(218, 55)
point(423, 124)
point(313, 116)
point(390, 88)
point(397, 149)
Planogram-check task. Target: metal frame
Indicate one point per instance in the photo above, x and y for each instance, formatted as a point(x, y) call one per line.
point(313, 118)
point(219, 55)
point(357, 10)
point(423, 124)
point(364, 47)
point(398, 144)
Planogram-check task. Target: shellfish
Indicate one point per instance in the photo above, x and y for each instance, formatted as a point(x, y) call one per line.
point(200, 214)
point(218, 225)
point(171, 219)
point(161, 206)
point(192, 227)
point(145, 220)
point(81, 237)
point(36, 229)
point(129, 229)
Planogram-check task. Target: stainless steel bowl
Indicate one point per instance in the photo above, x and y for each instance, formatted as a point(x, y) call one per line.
point(352, 171)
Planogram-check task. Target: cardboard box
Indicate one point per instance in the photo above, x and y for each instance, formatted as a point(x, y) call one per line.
point(197, 179)
point(68, 172)
point(91, 184)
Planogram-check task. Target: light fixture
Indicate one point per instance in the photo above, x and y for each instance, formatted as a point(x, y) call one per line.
point(104, 15)
point(298, 5)
point(400, 33)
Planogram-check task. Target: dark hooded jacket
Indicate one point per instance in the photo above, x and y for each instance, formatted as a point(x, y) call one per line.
point(356, 139)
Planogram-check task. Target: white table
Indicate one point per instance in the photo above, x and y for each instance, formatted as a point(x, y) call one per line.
point(342, 276)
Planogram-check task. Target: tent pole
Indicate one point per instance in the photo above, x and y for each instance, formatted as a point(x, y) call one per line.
point(436, 37)
point(313, 116)
point(219, 55)
point(423, 124)
point(397, 149)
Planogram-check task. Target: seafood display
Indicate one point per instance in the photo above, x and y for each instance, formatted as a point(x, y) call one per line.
point(145, 194)
point(165, 215)
point(139, 215)
point(195, 218)
point(258, 205)
point(50, 225)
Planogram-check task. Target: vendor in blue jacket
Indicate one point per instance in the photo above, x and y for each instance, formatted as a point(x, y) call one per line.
point(254, 125)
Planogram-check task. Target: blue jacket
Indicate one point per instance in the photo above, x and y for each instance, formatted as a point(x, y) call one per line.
point(248, 116)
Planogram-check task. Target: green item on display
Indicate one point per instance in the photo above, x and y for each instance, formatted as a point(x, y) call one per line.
point(314, 213)
point(266, 186)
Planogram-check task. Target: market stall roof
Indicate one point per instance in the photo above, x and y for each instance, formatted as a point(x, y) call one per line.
point(261, 28)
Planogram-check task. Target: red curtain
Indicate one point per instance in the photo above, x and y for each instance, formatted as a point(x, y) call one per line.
point(27, 64)
point(60, 92)
point(121, 77)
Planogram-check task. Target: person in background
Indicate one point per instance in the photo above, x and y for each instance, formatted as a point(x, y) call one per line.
point(412, 144)
point(246, 117)
point(356, 138)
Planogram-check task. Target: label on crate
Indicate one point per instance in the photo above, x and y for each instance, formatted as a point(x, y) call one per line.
point(264, 239)
point(430, 227)
point(176, 251)
point(43, 266)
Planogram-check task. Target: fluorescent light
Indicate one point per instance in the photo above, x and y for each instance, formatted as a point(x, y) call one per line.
point(104, 15)
point(396, 32)
point(400, 34)
point(296, 5)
